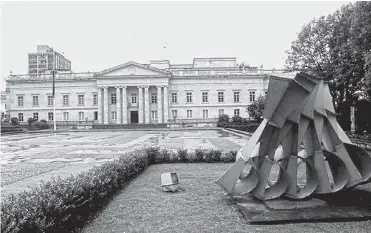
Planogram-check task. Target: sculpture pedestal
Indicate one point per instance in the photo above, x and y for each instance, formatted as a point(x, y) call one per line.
point(351, 205)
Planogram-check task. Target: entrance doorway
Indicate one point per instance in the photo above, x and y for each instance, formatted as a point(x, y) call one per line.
point(134, 117)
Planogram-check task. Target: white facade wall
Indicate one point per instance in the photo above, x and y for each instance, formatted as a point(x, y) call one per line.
point(132, 76)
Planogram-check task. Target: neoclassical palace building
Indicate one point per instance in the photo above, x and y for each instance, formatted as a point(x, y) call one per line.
point(129, 93)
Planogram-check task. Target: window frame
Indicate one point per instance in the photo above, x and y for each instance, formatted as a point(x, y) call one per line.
point(189, 114)
point(252, 95)
point(82, 103)
point(134, 95)
point(18, 100)
point(95, 99)
point(35, 114)
point(35, 97)
point(154, 98)
point(52, 114)
point(113, 98)
point(205, 113)
point(174, 96)
point(205, 96)
point(21, 119)
point(234, 112)
point(220, 96)
point(50, 97)
point(236, 97)
point(67, 98)
point(189, 98)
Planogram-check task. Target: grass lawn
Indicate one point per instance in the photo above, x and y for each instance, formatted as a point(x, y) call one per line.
point(202, 206)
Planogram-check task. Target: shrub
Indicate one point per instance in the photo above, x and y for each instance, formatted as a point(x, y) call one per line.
point(182, 153)
point(224, 118)
point(213, 156)
point(40, 125)
point(166, 154)
point(14, 121)
point(30, 121)
point(62, 205)
point(199, 154)
point(237, 119)
point(229, 157)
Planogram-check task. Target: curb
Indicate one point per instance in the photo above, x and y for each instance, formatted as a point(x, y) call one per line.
point(237, 132)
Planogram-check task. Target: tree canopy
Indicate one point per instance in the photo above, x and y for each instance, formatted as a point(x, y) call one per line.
point(337, 47)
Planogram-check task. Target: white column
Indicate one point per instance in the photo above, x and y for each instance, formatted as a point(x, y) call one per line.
point(140, 99)
point(146, 104)
point(166, 105)
point(159, 103)
point(118, 105)
point(124, 106)
point(105, 109)
point(100, 106)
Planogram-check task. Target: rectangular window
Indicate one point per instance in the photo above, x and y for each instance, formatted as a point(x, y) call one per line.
point(20, 117)
point(220, 97)
point(237, 112)
point(50, 100)
point(174, 98)
point(35, 100)
point(113, 98)
point(95, 115)
point(95, 99)
point(266, 93)
point(133, 98)
point(114, 115)
point(189, 97)
point(189, 113)
point(66, 116)
point(205, 97)
point(81, 116)
point(221, 112)
point(252, 96)
point(20, 101)
point(50, 116)
point(36, 116)
point(205, 113)
point(236, 96)
point(174, 114)
point(66, 100)
point(154, 98)
point(154, 115)
point(81, 100)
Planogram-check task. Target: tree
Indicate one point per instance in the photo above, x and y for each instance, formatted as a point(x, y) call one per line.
point(256, 108)
point(337, 48)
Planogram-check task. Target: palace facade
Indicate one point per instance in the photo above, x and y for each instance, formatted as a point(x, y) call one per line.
point(158, 92)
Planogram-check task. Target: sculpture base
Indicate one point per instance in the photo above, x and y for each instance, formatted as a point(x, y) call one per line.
point(351, 205)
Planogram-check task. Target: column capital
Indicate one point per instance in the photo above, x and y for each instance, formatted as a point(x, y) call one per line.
point(139, 87)
point(146, 87)
point(105, 87)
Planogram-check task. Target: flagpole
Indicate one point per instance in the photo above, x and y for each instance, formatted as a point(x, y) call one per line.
point(54, 116)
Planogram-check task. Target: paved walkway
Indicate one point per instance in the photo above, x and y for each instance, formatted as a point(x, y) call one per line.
point(77, 152)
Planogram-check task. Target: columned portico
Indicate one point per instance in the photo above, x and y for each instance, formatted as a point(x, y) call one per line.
point(118, 104)
point(105, 109)
point(140, 99)
point(159, 103)
point(100, 106)
point(166, 105)
point(146, 104)
point(124, 106)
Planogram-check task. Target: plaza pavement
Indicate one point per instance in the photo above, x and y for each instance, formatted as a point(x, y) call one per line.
point(66, 153)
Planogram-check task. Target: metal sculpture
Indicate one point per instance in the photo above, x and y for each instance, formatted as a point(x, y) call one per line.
point(299, 117)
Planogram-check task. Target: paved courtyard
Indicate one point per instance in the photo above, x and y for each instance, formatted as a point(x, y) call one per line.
point(26, 159)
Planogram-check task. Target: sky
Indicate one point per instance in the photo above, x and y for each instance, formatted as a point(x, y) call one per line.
point(99, 35)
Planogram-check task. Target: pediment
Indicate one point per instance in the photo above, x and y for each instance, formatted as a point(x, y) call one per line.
point(132, 69)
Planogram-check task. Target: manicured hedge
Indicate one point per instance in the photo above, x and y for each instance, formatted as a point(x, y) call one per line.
point(65, 205)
